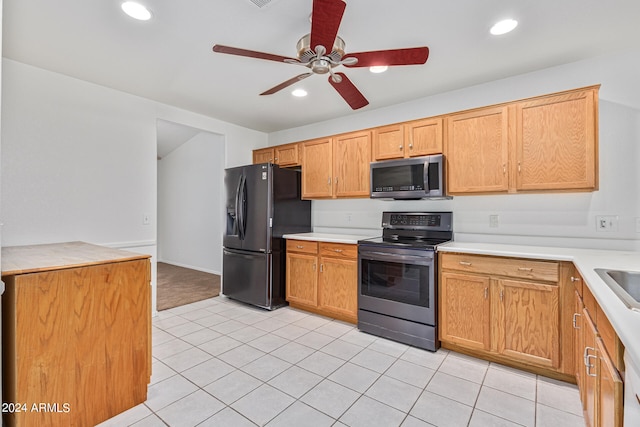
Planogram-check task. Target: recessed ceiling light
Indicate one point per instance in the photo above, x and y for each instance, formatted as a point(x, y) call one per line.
point(378, 69)
point(503, 27)
point(136, 10)
point(299, 93)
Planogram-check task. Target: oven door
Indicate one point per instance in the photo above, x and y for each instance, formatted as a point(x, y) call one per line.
point(397, 282)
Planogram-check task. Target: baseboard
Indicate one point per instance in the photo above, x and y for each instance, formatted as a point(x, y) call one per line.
point(179, 264)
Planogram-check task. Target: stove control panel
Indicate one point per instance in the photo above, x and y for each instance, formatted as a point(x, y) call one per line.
point(417, 220)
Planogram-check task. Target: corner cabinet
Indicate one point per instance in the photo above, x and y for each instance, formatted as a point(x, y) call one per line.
point(548, 143)
point(322, 277)
point(507, 310)
point(336, 167)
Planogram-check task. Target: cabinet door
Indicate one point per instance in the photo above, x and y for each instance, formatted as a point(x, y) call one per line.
point(589, 365)
point(527, 322)
point(388, 142)
point(556, 142)
point(264, 155)
point(578, 343)
point(287, 155)
point(302, 279)
point(477, 151)
point(338, 289)
point(423, 137)
point(609, 389)
point(352, 155)
point(465, 310)
point(317, 169)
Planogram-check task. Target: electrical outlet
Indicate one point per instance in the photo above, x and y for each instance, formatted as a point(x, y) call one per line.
point(146, 219)
point(606, 223)
point(493, 221)
point(348, 217)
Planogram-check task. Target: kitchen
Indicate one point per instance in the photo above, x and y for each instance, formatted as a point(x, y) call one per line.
point(107, 139)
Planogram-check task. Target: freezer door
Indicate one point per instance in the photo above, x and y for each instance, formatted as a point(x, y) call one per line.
point(233, 183)
point(247, 277)
point(256, 208)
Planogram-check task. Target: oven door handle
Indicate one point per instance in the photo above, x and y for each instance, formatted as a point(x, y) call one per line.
point(386, 256)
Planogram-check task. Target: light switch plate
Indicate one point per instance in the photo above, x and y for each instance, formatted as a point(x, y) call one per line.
point(606, 223)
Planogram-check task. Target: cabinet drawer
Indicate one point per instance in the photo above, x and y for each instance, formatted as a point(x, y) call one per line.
point(339, 250)
point(304, 246)
point(520, 268)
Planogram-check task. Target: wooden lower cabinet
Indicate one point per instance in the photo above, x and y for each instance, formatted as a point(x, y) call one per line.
point(77, 340)
point(322, 277)
point(465, 310)
point(597, 363)
point(516, 321)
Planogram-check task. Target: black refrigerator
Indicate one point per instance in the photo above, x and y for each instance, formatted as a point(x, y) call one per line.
point(262, 204)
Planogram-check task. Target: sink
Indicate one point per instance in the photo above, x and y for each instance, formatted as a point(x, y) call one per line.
point(625, 284)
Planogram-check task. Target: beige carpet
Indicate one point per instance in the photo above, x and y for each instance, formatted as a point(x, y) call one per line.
point(179, 286)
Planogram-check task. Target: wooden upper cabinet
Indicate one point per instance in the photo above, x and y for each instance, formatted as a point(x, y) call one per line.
point(477, 151)
point(317, 169)
point(410, 139)
point(388, 142)
point(423, 137)
point(352, 154)
point(283, 155)
point(263, 155)
point(287, 155)
point(556, 145)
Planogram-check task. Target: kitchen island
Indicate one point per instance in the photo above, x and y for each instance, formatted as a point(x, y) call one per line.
point(76, 328)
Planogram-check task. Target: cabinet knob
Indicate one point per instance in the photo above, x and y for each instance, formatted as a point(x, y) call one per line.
point(329, 181)
point(411, 146)
point(300, 246)
point(486, 293)
point(588, 365)
point(525, 269)
point(575, 322)
point(504, 169)
point(465, 263)
point(338, 250)
point(575, 279)
point(400, 147)
point(519, 167)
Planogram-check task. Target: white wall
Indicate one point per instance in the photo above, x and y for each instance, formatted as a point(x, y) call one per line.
point(550, 219)
point(190, 204)
point(79, 160)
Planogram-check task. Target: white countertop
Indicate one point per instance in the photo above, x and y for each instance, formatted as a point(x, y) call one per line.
point(625, 321)
point(327, 237)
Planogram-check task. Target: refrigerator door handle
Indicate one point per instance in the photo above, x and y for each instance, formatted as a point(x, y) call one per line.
point(242, 213)
point(237, 214)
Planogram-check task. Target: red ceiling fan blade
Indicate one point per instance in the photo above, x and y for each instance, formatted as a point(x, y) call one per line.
point(410, 56)
point(286, 84)
point(251, 53)
point(325, 21)
point(349, 92)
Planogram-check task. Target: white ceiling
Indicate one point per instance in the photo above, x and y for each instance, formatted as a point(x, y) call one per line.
point(169, 59)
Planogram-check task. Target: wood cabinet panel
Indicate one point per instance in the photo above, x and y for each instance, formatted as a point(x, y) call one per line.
point(423, 137)
point(610, 389)
point(317, 169)
point(465, 310)
point(590, 384)
point(79, 336)
point(556, 142)
point(352, 155)
point(263, 155)
point(519, 268)
point(302, 246)
point(528, 322)
point(287, 155)
point(388, 142)
point(477, 151)
point(302, 279)
point(338, 291)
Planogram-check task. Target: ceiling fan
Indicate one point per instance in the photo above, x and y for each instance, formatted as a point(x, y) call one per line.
point(322, 50)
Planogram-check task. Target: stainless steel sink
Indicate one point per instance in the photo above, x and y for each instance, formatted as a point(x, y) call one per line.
point(625, 284)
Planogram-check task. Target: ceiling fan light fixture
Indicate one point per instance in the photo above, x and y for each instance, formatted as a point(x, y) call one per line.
point(299, 93)
point(376, 69)
point(503, 27)
point(136, 10)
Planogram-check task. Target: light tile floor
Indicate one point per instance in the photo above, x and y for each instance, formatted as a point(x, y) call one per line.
point(221, 363)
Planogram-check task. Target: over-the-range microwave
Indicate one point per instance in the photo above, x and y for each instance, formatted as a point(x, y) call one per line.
point(413, 178)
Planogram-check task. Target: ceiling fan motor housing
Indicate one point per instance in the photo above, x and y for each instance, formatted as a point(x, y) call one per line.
point(306, 53)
